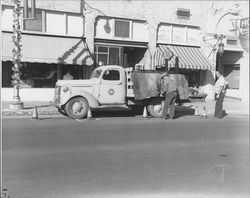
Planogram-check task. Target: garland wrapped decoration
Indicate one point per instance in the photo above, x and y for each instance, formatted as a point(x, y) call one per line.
point(16, 38)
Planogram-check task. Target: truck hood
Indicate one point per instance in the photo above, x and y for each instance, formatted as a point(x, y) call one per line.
point(77, 83)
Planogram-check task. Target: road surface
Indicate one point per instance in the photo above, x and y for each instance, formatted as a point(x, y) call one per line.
point(126, 157)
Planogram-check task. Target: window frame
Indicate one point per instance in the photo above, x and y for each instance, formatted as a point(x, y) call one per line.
point(130, 28)
point(96, 52)
point(185, 34)
point(112, 69)
point(43, 30)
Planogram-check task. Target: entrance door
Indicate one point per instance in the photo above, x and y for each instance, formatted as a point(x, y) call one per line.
point(112, 87)
point(132, 56)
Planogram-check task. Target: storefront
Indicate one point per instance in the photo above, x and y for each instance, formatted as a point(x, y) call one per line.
point(230, 29)
point(48, 51)
point(187, 56)
point(231, 67)
point(45, 59)
point(121, 42)
point(126, 54)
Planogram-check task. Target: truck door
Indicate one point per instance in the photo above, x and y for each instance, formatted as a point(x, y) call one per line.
point(112, 87)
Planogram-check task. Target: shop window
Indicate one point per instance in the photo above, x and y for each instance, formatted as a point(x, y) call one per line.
point(57, 18)
point(103, 58)
point(140, 31)
point(111, 75)
point(7, 73)
point(33, 24)
point(164, 33)
point(193, 35)
point(179, 34)
point(7, 18)
point(74, 25)
point(39, 75)
point(122, 29)
point(108, 55)
point(114, 56)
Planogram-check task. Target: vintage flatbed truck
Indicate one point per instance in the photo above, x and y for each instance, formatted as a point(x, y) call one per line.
point(114, 85)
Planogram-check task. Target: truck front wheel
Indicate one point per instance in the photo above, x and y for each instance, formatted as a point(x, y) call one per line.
point(155, 107)
point(77, 108)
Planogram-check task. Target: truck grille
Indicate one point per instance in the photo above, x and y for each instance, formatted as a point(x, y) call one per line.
point(57, 94)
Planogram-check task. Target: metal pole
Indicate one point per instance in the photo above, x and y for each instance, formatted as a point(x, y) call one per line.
point(25, 9)
point(166, 64)
point(220, 66)
point(33, 9)
point(176, 65)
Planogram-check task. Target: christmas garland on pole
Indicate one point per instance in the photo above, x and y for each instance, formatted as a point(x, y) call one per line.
point(16, 77)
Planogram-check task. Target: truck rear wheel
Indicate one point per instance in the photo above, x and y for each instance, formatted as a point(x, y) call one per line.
point(155, 107)
point(137, 110)
point(77, 108)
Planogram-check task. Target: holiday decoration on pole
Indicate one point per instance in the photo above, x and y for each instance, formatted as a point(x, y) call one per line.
point(16, 77)
point(17, 44)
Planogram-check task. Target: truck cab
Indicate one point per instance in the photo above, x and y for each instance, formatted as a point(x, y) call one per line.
point(111, 86)
point(106, 86)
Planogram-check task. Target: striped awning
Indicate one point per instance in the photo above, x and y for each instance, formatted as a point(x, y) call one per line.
point(48, 49)
point(188, 57)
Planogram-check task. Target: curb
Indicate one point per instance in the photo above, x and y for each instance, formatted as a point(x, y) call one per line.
point(22, 113)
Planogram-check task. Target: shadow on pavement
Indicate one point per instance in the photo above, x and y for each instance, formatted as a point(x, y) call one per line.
point(112, 113)
point(181, 111)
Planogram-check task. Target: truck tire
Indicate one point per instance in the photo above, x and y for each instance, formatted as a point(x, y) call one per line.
point(155, 107)
point(77, 108)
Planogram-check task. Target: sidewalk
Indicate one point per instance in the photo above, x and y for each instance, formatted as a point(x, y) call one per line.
point(43, 108)
point(232, 107)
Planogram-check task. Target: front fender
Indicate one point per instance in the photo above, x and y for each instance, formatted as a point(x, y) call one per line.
point(93, 102)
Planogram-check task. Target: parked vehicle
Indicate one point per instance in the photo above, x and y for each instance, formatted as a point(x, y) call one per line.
point(115, 86)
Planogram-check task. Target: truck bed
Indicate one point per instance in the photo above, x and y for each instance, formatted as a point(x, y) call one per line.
point(146, 84)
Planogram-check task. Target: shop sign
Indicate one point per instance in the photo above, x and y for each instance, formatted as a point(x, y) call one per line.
point(244, 25)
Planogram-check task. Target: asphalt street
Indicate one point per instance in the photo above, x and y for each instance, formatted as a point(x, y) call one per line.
point(126, 156)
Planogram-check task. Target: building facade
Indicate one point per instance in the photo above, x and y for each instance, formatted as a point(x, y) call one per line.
point(230, 20)
point(147, 34)
point(52, 44)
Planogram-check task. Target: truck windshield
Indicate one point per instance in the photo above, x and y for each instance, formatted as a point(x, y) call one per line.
point(96, 73)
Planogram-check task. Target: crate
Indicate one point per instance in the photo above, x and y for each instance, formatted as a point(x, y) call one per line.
point(130, 92)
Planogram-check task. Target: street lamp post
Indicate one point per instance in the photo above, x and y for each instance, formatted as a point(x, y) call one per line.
point(220, 53)
point(16, 38)
point(16, 81)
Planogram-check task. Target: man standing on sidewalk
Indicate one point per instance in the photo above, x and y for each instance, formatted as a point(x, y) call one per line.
point(220, 91)
point(169, 90)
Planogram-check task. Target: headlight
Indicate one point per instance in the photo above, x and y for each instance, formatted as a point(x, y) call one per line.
point(65, 89)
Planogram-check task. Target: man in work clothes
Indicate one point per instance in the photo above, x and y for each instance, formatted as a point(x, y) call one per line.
point(220, 91)
point(169, 90)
